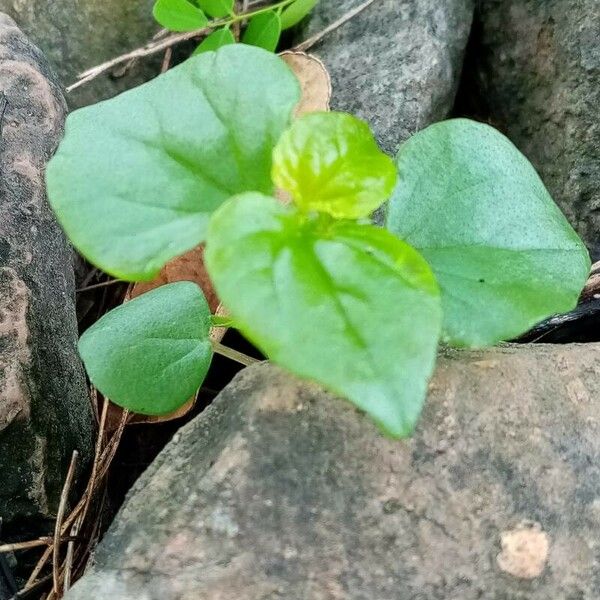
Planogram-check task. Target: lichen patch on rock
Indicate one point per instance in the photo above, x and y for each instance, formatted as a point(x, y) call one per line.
point(524, 551)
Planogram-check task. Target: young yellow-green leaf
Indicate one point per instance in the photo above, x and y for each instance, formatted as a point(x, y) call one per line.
point(217, 39)
point(216, 8)
point(295, 12)
point(136, 177)
point(263, 31)
point(179, 15)
point(330, 162)
point(347, 305)
point(502, 251)
point(151, 354)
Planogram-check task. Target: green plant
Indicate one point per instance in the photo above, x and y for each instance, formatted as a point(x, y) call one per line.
point(264, 28)
point(143, 178)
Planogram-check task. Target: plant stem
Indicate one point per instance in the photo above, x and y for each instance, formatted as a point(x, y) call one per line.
point(248, 15)
point(162, 43)
point(234, 355)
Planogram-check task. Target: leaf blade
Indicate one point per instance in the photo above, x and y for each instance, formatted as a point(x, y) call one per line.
point(502, 251)
point(217, 8)
point(158, 171)
point(217, 39)
point(330, 162)
point(295, 12)
point(151, 354)
point(179, 15)
point(263, 31)
point(318, 302)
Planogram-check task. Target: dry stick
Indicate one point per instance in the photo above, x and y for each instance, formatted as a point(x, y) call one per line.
point(43, 541)
point(59, 519)
point(311, 41)
point(97, 458)
point(98, 285)
point(105, 460)
point(70, 554)
point(166, 63)
point(147, 50)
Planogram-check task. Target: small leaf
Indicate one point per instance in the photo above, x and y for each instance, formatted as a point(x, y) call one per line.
point(151, 354)
point(214, 41)
point(347, 305)
point(504, 254)
point(330, 162)
point(295, 12)
point(136, 177)
point(179, 15)
point(216, 8)
point(263, 31)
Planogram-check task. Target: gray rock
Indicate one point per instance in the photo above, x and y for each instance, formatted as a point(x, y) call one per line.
point(536, 72)
point(279, 490)
point(45, 411)
point(78, 34)
point(397, 64)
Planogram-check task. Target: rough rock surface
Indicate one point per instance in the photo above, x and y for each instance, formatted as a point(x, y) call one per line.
point(78, 34)
point(279, 490)
point(535, 70)
point(44, 407)
point(397, 64)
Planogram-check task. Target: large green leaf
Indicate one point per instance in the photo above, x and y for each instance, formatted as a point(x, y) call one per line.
point(502, 251)
point(151, 354)
point(330, 162)
point(179, 15)
point(347, 305)
point(295, 12)
point(263, 31)
point(216, 8)
point(136, 178)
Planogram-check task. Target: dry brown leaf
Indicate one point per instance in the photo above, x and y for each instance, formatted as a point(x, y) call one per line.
point(314, 81)
point(316, 94)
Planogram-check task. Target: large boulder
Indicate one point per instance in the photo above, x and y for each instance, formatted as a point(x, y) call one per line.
point(45, 412)
point(78, 34)
point(535, 68)
point(396, 64)
point(279, 490)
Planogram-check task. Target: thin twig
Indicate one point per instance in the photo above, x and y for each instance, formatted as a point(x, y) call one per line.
point(166, 63)
point(64, 497)
point(158, 45)
point(98, 285)
point(311, 41)
point(3, 105)
point(97, 459)
point(147, 50)
point(32, 590)
point(43, 541)
point(232, 354)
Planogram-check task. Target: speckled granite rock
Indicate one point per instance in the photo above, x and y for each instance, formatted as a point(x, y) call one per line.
point(397, 64)
point(44, 407)
point(279, 491)
point(536, 72)
point(78, 34)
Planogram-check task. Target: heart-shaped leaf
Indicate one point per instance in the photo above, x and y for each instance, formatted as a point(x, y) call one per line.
point(330, 162)
point(263, 31)
point(179, 15)
point(347, 305)
point(216, 8)
point(295, 12)
point(151, 354)
point(136, 178)
point(502, 251)
point(217, 39)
